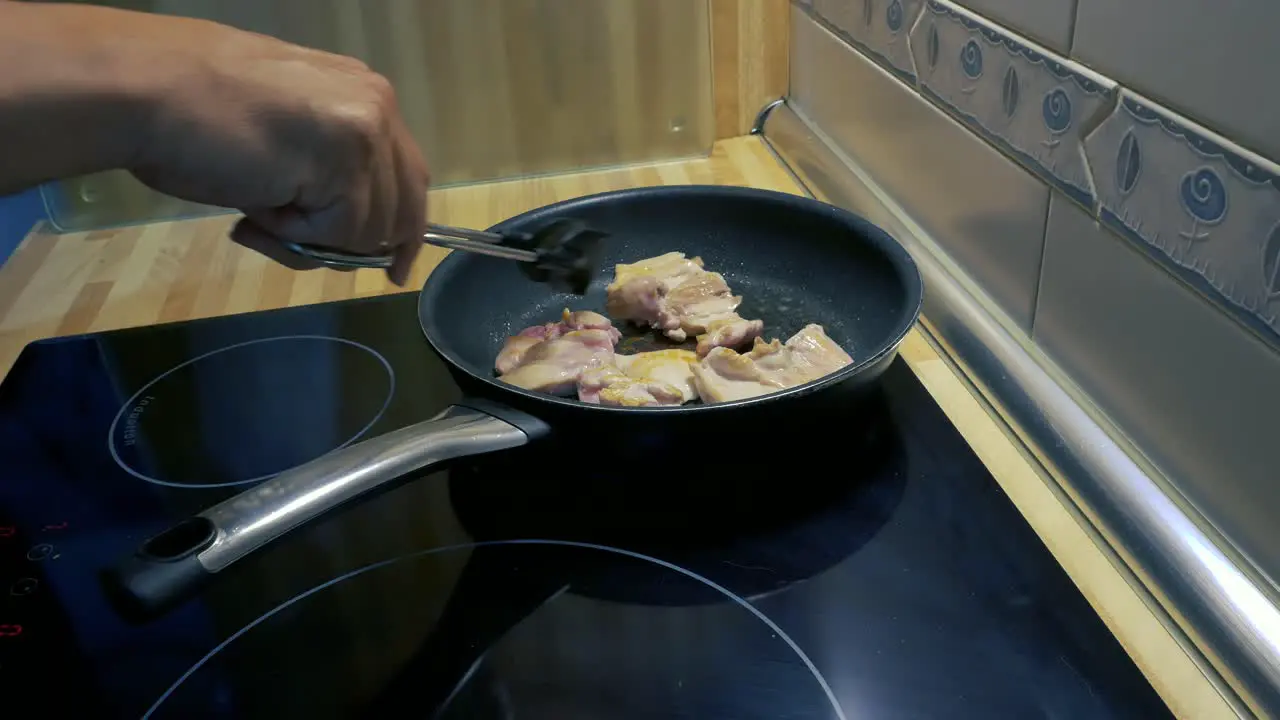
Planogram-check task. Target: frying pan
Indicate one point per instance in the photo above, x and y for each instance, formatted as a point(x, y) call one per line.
point(795, 261)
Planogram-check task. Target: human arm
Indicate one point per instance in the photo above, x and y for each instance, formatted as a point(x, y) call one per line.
point(309, 145)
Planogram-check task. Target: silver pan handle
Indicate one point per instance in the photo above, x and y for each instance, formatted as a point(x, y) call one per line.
point(172, 566)
point(454, 238)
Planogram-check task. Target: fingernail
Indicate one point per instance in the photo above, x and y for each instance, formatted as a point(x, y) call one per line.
point(402, 269)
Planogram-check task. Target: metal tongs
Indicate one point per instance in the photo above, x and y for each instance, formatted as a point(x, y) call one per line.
point(564, 254)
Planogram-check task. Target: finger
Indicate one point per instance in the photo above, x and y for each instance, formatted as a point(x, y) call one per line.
point(409, 151)
point(377, 236)
point(402, 262)
point(294, 224)
point(285, 223)
point(341, 225)
point(253, 236)
point(411, 212)
point(413, 181)
point(332, 218)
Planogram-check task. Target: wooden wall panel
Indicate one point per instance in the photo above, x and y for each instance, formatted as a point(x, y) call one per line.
point(749, 45)
point(491, 89)
point(509, 88)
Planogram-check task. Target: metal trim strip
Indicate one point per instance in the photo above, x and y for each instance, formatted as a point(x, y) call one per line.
point(1226, 613)
point(762, 117)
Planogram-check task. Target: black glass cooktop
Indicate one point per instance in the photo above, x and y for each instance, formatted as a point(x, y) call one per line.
point(878, 571)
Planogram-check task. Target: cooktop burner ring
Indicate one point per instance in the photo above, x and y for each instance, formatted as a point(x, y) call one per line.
point(745, 604)
point(132, 404)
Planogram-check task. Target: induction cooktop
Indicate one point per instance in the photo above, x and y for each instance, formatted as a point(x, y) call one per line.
point(874, 571)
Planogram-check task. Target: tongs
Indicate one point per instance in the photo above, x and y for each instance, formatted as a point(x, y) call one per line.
point(564, 254)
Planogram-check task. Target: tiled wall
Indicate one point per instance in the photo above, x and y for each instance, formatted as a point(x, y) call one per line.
point(1077, 157)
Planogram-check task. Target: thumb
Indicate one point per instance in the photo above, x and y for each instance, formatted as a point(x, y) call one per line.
point(250, 234)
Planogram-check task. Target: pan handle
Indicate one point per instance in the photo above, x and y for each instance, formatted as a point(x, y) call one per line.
point(172, 566)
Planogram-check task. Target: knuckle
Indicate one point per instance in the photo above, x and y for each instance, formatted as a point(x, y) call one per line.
point(369, 117)
point(382, 89)
point(363, 123)
point(355, 64)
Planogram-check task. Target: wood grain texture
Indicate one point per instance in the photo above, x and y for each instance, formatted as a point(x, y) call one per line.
point(182, 270)
point(749, 45)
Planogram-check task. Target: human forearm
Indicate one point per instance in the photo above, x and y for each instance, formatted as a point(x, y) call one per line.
point(310, 146)
point(72, 100)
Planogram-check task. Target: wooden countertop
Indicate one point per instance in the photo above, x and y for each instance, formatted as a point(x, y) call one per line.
point(60, 285)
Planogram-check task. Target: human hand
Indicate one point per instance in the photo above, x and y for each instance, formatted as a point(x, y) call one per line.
point(310, 146)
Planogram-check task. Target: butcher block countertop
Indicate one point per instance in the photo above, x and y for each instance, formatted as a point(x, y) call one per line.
point(87, 282)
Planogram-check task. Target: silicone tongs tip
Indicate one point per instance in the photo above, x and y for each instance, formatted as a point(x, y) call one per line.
point(569, 254)
point(563, 254)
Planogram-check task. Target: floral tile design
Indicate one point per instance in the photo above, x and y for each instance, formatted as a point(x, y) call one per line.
point(1033, 104)
point(1194, 199)
point(879, 28)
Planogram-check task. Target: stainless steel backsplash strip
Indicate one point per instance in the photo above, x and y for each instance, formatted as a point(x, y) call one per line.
point(1206, 592)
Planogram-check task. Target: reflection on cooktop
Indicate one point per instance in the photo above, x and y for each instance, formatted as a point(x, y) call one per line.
point(753, 522)
point(744, 530)
point(608, 540)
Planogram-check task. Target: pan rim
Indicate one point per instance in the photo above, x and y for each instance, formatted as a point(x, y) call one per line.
point(897, 255)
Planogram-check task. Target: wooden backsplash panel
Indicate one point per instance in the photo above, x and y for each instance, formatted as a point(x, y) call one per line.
point(507, 88)
point(749, 45)
point(504, 88)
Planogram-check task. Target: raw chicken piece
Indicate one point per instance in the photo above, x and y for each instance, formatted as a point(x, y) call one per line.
point(679, 297)
point(588, 320)
point(728, 332)
point(610, 386)
point(661, 377)
point(638, 291)
point(517, 346)
point(554, 365)
point(673, 366)
point(725, 375)
point(701, 298)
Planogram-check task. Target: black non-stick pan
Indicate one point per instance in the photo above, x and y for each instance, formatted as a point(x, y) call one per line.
point(796, 261)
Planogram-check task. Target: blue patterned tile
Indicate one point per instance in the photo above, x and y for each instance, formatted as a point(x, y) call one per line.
point(1030, 102)
point(1196, 201)
point(879, 28)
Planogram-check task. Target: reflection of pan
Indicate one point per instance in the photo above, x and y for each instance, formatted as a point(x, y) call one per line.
point(795, 261)
point(750, 540)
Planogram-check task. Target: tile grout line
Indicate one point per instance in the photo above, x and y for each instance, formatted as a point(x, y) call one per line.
point(1044, 252)
point(1071, 28)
